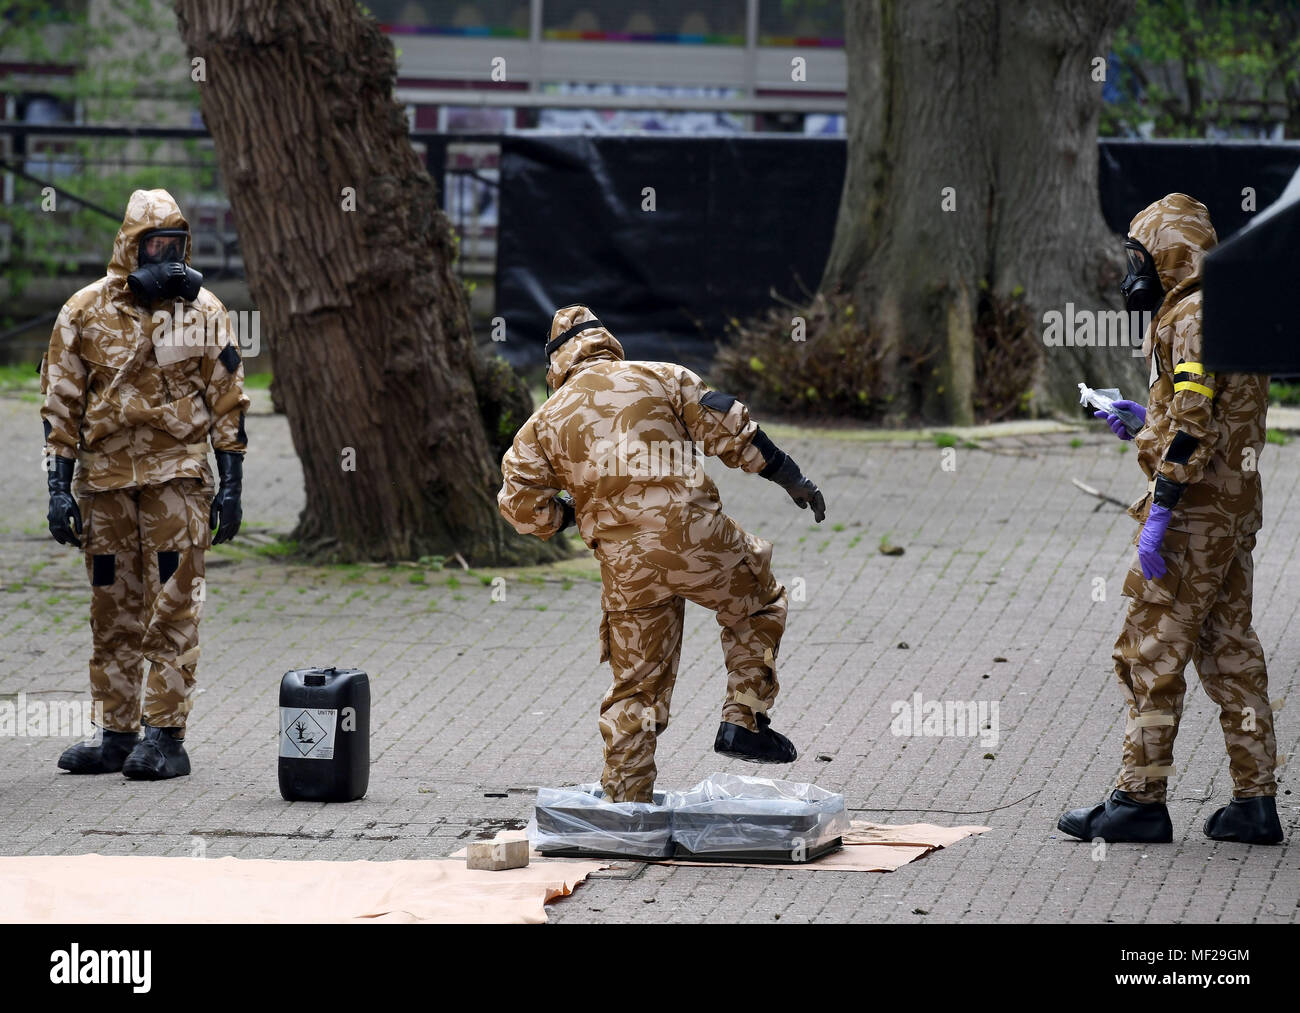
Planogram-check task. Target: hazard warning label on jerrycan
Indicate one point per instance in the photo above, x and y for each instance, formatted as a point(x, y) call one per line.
point(307, 733)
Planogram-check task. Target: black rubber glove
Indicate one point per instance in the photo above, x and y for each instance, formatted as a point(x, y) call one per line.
point(566, 504)
point(788, 476)
point(64, 515)
point(226, 512)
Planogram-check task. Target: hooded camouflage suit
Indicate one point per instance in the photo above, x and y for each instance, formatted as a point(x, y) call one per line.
point(620, 437)
point(134, 399)
point(1200, 449)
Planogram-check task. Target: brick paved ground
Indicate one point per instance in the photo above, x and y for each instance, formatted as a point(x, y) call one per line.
point(473, 697)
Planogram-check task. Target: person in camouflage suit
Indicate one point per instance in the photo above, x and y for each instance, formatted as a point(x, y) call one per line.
point(619, 438)
point(1191, 583)
point(140, 375)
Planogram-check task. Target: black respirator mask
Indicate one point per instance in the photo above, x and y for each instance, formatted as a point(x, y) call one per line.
point(163, 273)
point(1141, 287)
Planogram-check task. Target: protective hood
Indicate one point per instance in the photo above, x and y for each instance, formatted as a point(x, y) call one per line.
point(589, 345)
point(145, 211)
point(1176, 230)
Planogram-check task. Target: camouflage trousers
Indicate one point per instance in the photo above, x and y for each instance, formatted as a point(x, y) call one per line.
point(1200, 611)
point(725, 570)
point(144, 555)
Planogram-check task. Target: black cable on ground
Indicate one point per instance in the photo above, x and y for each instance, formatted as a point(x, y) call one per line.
point(950, 812)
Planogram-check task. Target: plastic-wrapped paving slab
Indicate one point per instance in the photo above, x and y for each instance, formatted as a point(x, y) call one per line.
point(578, 822)
point(724, 818)
point(745, 857)
point(784, 857)
point(559, 819)
point(790, 824)
point(586, 853)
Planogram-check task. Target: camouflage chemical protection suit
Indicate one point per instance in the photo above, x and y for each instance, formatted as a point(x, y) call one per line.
point(1200, 450)
point(620, 438)
point(134, 399)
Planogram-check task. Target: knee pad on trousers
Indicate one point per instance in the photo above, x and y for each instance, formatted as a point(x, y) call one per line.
point(167, 564)
point(102, 569)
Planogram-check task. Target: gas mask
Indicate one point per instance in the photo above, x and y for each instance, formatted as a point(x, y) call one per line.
point(163, 273)
point(1141, 287)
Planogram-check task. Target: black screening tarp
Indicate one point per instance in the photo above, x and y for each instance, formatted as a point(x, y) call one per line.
point(733, 219)
point(738, 217)
point(1133, 174)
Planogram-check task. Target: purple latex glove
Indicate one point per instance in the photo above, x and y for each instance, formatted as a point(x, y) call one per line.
point(1153, 534)
point(1116, 423)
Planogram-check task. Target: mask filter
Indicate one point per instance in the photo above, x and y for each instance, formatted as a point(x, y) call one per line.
point(1141, 287)
point(172, 280)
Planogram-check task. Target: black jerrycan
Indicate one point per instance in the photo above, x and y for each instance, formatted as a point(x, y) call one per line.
point(324, 734)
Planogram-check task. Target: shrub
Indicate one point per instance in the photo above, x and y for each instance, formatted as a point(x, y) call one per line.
point(835, 371)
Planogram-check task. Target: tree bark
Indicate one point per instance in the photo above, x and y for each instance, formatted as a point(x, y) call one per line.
point(995, 100)
point(375, 361)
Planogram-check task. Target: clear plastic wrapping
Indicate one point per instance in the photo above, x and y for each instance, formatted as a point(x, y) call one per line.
point(730, 812)
point(580, 817)
point(724, 813)
point(1104, 400)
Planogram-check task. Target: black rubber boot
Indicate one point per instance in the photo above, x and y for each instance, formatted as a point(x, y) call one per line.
point(1120, 819)
point(103, 754)
point(159, 755)
point(762, 746)
point(1246, 821)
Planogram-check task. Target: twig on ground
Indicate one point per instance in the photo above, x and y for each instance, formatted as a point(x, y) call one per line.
point(1099, 494)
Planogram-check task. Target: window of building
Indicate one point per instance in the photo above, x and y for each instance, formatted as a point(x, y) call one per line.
point(700, 22)
point(47, 157)
point(800, 22)
point(489, 18)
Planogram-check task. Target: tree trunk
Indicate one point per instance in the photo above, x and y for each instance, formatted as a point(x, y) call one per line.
point(350, 260)
point(995, 100)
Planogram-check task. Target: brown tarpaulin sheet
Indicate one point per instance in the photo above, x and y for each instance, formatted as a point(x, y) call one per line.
point(111, 888)
point(132, 888)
